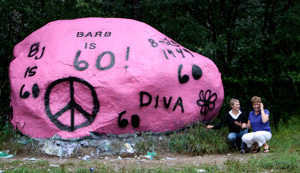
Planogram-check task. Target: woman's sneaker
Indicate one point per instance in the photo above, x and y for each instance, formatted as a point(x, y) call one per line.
point(243, 151)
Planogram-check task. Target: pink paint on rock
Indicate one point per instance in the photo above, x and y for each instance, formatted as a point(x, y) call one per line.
point(108, 75)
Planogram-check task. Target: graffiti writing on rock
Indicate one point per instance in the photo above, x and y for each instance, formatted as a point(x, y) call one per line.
point(72, 105)
point(82, 65)
point(25, 94)
point(135, 120)
point(175, 49)
point(34, 49)
point(90, 46)
point(196, 73)
point(174, 53)
point(127, 56)
point(93, 34)
point(146, 100)
point(206, 101)
point(31, 71)
point(35, 91)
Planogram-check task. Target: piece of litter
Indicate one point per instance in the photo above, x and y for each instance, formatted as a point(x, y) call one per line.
point(151, 154)
point(129, 148)
point(5, 155)
point(168, 158)
point(32, 159)
point(201, 170)
point(127, 145)
point(56, 166)
point(86, 157)
point(147, 156)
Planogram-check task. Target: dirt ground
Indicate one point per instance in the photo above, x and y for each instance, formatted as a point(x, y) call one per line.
point(161, 161)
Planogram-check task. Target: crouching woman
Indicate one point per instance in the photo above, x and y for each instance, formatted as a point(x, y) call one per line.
point(259, 122)
point(236, 121)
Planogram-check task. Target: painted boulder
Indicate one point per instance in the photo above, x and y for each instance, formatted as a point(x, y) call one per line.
point(108, 76)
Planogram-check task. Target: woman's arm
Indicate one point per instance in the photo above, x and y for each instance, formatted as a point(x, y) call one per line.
point(264, 116)
point(210, 126)
point(245, 120)
point(219, 125)
point(248, 125)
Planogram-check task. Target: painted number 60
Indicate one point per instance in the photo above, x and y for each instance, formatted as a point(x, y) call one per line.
point(83, 65)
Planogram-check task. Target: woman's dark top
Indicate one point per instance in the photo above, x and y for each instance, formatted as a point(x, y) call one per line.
point(228, 120)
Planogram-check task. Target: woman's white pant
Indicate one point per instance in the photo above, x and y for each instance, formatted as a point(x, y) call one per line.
point(259, 137)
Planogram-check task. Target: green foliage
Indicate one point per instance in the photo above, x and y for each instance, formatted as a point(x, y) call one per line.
point(6, 134)
point(255, 44)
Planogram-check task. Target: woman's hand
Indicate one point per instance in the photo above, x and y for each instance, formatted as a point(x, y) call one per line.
point(209, 126)
point(248, 124)
point(238, 124)
point(264, 116)
point(261, 106)
point(244, 125)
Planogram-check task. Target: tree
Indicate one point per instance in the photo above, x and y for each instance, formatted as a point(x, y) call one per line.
point(255, 44)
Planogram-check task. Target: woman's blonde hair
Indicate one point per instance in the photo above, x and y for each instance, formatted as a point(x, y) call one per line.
point(255, 99)
point(232, 101)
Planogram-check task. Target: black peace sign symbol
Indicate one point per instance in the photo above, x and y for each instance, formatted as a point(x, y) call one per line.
point(72, 105)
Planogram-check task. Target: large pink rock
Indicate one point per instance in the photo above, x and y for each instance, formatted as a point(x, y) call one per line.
point(108, 75)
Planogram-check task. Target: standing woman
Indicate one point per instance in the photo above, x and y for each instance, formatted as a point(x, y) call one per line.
point(259, 121)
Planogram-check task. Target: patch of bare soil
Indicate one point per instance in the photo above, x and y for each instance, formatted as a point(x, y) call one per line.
point(161, 161)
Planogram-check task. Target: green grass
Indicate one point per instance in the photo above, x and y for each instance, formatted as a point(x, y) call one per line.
point(195, 141)
point(198, 141)
point(278, 161)
point(287, 137)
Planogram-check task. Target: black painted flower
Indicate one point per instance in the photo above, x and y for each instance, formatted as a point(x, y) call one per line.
point(206, 101)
